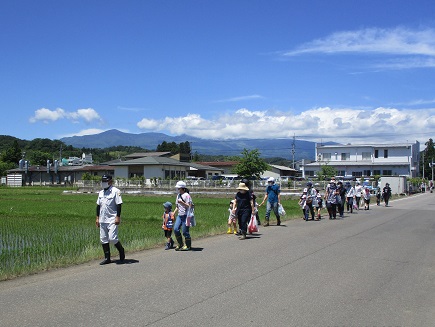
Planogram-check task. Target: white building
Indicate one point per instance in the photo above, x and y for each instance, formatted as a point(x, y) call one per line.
point(359, 160)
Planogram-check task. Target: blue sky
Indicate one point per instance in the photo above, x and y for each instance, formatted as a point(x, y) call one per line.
point(346, 71)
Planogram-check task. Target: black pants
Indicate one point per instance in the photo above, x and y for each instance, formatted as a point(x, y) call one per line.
point(243, 217)
point(332, 210)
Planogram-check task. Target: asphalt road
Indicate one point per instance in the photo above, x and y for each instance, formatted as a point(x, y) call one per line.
point(372, 268)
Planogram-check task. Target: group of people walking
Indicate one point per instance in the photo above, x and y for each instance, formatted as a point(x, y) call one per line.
point(242, 208)
point(337, 197)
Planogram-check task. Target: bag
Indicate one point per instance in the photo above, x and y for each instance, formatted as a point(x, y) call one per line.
point(355, 206)
point(309, 200)
point(190, 220)
point(253, 226)
point(281, 210)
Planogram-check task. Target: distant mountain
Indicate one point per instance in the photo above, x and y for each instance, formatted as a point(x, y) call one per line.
point(267, 147)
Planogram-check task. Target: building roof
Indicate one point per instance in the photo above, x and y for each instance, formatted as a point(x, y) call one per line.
point(150, 161)
point(283, 168)
point(83, 168)
point(357, 163)
point(218, 163)
point(147, 154)
point(393, 145)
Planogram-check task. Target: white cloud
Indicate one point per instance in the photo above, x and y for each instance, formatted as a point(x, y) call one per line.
point(389, 41)
point(415, 48)
point(46, 115)
point(328, 124)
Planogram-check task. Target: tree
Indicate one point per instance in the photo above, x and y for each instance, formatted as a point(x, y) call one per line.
point(250, 164)
point(12, 154)
point(427, 157)
point(37, 157)
point(4, 166)
point(326, 172)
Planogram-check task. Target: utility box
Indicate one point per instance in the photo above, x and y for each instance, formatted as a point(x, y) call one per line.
point(398, 184)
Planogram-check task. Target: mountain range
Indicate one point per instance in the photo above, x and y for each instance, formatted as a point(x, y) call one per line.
point(268, 148)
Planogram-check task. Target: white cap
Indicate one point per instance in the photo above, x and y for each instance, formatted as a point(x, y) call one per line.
point(305, 190)
point(180, 184)
point(271, 179)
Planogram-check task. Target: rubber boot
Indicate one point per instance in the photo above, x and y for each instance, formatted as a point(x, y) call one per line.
point(278, 221)
point(106, 249)
point(180, 242)
point(171, 243)
point(121, 251)
point(229, 230)
point(188, 245)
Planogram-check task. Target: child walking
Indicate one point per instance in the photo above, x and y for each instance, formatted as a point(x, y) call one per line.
point(319, 205)
point(232, 219)
point(303, 204)
point(168, 224)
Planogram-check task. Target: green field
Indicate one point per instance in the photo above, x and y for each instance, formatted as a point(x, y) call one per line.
point(46, 228)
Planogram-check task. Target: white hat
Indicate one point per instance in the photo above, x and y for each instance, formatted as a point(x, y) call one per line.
point(271, 179)
point(242, 186)
point(180, 184)
point(305, 190)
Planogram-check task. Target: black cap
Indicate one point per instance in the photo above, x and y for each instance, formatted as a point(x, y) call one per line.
point(106, 178)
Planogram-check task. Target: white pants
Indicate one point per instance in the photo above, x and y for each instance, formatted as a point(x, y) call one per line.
point(108, 233)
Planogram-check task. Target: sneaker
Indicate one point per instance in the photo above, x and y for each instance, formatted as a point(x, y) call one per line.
point(185, 248)
point(266, 224)
point(243, 237)
point(178, 247)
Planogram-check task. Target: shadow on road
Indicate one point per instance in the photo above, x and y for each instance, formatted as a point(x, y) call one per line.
point(126, 261)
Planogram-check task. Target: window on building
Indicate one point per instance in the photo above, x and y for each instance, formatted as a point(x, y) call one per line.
point(367, 172)
point(326, 156)
point(385, 153)
point(376, 172)
point(356, 173)
point(366, 155)
point(376, 153)
point(345, 156)
point(387, 172)
point(309, 173)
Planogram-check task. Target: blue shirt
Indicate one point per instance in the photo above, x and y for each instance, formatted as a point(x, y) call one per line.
point(272, 192)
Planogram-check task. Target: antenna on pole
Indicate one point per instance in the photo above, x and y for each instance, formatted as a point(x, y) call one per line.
point(293, 150)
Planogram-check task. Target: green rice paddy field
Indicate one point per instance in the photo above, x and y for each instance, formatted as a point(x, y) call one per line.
point(47, 228)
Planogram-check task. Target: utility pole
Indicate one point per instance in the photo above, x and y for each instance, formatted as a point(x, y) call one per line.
point(293, 150)
point(423, 165)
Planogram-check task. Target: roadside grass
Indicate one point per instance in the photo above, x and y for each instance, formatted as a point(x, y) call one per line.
point(47, 228)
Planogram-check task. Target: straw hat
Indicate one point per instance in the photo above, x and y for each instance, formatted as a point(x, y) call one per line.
point(243, 187)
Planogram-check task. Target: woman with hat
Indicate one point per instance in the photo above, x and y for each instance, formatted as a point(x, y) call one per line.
point(243, 208)
point(183, 204)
